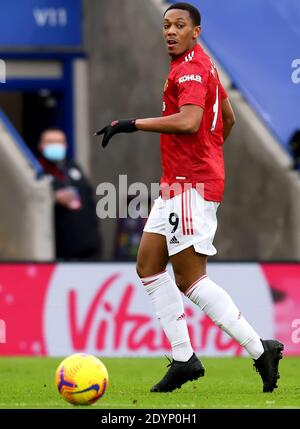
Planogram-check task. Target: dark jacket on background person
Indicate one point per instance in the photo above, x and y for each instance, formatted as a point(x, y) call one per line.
point(76, 231)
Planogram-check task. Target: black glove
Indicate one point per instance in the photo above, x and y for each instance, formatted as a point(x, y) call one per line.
point(121, 126)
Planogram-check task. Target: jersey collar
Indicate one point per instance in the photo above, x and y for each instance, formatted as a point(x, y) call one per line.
point(187, 56)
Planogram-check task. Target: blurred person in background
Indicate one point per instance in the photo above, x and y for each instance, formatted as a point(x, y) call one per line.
point(76, 226)
point(197, 119)
point(294, 145)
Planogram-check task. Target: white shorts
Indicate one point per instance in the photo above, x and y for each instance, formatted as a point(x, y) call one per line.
point(186, 220)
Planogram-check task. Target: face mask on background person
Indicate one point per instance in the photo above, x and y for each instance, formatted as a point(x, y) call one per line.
point(54, 152)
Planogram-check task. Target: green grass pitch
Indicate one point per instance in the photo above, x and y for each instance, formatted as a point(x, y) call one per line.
point(228, 383)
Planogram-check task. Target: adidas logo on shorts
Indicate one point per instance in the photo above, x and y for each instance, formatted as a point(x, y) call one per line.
point(174, 240)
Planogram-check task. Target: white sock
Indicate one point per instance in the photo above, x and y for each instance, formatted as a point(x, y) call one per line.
point(218, 305)
point(168, 305)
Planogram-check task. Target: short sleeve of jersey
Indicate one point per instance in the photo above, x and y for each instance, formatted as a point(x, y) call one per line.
point(191, 81)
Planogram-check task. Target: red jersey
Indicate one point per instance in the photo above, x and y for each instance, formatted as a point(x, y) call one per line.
point(195, 158)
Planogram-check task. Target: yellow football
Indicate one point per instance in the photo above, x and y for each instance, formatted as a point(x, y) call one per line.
point(81, 379)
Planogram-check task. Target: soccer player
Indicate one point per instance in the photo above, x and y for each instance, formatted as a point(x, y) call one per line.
point(197, 118)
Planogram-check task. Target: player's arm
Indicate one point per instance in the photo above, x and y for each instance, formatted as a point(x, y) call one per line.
point(186, 121)
point(228, 118)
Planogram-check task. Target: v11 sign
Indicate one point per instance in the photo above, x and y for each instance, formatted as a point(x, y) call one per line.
point(41, 23)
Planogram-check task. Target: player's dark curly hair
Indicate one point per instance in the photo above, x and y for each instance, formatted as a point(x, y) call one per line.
point(193, 11)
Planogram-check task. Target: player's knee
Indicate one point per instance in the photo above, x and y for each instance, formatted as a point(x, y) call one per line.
point(146, 267)
point(140, 268)
point(182, 282)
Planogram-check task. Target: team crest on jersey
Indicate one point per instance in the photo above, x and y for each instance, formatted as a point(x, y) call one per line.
point(166, 85)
